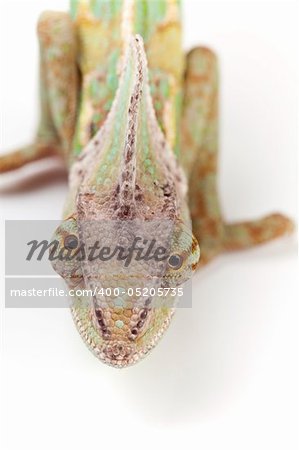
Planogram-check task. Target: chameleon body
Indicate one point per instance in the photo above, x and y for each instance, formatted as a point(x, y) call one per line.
point(136, 122)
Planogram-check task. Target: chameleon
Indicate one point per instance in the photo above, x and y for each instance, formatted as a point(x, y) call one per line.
point(135, 121)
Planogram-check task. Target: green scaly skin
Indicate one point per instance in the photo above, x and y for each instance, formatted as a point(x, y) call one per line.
point(136, 122)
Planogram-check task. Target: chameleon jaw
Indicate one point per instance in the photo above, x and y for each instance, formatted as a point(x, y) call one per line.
point(117, 353)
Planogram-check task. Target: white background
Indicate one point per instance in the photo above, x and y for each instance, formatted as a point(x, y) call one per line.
point(225, 375)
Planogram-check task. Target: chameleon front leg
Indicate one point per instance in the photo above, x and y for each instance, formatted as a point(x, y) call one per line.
point(58, 93)
point(199, 155)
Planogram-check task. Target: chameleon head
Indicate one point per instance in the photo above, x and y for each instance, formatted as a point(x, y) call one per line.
point(128, 192)
point(121, 310)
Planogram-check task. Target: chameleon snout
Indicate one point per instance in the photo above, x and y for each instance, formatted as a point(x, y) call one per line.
point(118, 353)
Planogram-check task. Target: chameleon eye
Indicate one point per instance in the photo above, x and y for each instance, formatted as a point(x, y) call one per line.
point(71, 242)
point(175, 261)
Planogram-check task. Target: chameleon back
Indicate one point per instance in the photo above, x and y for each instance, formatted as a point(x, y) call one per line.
point(103, 29)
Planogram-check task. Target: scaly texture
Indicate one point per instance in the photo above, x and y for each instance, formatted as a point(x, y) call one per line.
point(136, 122)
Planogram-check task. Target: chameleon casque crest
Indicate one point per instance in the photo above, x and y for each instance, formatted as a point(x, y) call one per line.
point(135, 120)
